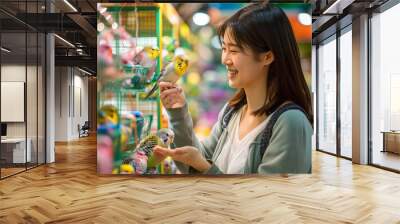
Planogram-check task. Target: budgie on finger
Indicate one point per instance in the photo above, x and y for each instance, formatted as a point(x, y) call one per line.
point(163, 137)
point(171, 72)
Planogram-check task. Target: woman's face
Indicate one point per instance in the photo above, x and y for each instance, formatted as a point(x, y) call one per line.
point(243, 69)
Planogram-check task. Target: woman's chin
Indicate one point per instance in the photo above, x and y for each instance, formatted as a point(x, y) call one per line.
point(233, 84)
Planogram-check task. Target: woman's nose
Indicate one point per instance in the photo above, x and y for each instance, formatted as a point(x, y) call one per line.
point(226, 60)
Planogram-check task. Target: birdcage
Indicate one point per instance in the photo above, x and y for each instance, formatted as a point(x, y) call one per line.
point(125, 89)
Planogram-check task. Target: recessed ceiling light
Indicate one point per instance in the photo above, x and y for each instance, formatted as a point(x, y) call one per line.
point(86, 72)
point(70, 5)
point(64, 40)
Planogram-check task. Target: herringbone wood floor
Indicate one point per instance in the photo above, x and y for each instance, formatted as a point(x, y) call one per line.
point(69, 191)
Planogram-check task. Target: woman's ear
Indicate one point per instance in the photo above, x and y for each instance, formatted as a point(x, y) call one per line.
point(268, 58)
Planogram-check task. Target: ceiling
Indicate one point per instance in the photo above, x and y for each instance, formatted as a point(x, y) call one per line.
point(79, 27)
point(20, 17)
point(329, 15)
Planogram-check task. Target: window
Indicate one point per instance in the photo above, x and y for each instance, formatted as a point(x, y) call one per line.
point(313, 92)
point(346, 93)
point(385, 86)
point(327, 96)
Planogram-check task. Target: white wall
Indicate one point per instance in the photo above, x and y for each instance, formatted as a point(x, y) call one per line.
point(61, 103)
point(15, 73)
point(80, 110)
point(71, 94)
point(34, 125)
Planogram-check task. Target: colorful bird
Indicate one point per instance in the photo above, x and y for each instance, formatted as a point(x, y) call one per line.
point(152, 53)
point(108, 114)
point(172, 72)
point(144, 151)
point(138, 160)
point(164, 138)
point(168, 166)
point(126, 169)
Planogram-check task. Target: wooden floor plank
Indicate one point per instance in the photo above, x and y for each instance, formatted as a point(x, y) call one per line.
point(70, 191)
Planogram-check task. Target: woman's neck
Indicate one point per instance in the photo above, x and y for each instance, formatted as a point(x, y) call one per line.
point(255, 96)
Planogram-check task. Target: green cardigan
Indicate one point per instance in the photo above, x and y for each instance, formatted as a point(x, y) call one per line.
point(288, 151)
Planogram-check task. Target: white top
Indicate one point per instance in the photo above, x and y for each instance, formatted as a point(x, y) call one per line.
point(233, 156)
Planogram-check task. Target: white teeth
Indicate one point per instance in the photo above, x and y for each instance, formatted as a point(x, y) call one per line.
point(232, 74)
point(232, 70)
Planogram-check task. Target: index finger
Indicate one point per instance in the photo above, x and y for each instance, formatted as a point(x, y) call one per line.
point(166, 85)
point(163, 151)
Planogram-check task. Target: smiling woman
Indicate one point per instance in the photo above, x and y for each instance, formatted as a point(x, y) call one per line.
point(266, 126)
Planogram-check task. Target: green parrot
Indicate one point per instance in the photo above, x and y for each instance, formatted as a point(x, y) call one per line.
point(164, 138)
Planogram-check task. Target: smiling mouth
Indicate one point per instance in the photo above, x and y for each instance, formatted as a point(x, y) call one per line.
point(232, 72)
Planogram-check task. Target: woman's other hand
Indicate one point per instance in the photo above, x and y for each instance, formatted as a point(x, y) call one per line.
point(188, 155)
point(171, 95)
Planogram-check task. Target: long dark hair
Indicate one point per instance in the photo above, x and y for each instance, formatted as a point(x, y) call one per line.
point(263, 27)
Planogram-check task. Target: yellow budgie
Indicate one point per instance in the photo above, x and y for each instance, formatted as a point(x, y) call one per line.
point(108, 114)
point(172, 72)
point(147, 57)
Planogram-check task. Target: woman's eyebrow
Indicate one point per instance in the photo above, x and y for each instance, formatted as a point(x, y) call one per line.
point(229, 44)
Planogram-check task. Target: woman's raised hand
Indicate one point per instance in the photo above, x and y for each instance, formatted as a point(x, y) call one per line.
point(171, 95)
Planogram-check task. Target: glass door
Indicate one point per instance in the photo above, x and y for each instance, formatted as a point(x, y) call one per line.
point(327, 96)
